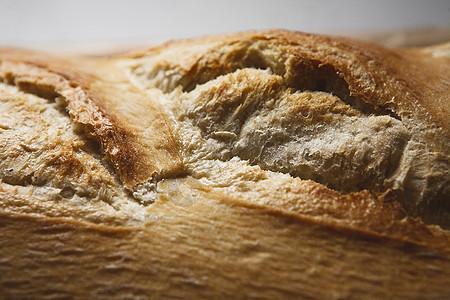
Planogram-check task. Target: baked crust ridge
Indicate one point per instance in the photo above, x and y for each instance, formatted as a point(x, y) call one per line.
point(293, 164)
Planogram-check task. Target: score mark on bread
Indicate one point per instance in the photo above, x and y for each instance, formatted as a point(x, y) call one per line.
point(349, 115)
point(249, 118)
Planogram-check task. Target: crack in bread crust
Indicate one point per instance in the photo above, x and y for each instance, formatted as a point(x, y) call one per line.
point(311, 135)
point(228, 83)
point(139, 154)
point(45, 156)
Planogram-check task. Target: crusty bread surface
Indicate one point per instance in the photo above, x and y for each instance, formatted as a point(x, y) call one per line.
point(270, 164)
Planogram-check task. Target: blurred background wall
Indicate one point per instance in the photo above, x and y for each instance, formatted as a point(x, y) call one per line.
point(93, 24)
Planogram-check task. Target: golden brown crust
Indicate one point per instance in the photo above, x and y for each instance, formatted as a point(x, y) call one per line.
point(199, 185)
point(406, 85)
point(94, 100)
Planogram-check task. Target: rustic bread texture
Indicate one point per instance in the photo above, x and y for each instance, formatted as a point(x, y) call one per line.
point(261, 164)
point(380, 122)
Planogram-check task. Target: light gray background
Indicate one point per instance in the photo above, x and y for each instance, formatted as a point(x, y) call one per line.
point(37, 23)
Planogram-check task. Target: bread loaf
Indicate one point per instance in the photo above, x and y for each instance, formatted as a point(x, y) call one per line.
point(270, 164)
